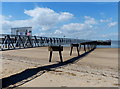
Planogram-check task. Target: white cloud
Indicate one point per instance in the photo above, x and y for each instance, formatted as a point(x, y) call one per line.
point(80, 30)
point(65, 16)
point(4, 24)
point(40, 19)
point(89, 29)
point(110, 36)
point(112, 24)
point(58, 32)
point(88, 24)
point(2, 17)
point(89, 20)
point(5, 17)
point(47, 18)
point(73, 26)
point(105, 20)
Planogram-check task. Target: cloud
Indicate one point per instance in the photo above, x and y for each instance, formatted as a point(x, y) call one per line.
point(105, 20)
point(79, 30)
point(4, 24)
point(89, 20)
point(89, 29)
point(58, 32)
point(47, 18)
point(88, 24)
point(73, 26)
point(5, 17)
point(112, 24)
point(110, 36)
point(40, 19)
point(65, 16)
point(48, 15)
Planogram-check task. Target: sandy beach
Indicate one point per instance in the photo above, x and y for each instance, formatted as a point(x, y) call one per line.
point(31, 68)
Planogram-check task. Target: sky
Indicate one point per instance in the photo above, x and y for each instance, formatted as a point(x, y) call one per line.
point(83, 20)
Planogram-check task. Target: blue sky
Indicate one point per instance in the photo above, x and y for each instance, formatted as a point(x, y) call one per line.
point(84, 20)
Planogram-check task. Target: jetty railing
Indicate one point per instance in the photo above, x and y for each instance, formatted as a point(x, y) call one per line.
point(8, 41)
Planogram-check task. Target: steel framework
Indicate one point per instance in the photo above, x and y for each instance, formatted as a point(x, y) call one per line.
point(17, 41)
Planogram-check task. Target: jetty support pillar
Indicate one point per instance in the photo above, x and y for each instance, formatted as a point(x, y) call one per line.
point(74, 45)
point(55, 48)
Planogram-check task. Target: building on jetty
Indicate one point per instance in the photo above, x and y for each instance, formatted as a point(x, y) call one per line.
point(26, 31)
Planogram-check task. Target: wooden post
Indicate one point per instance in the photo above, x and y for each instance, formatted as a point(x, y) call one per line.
point(74, 45)
point(36, 41)
point(50, 56)
point(84, 48)
point(55, 48)
point(88, 47)
point(21, 41)
point(78, 51)
point(91, 46)
point(10, 41)
point(29, 40)
point(60, 56)
point(79, 48)
point(71, 51)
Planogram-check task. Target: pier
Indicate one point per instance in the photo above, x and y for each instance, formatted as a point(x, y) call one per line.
point(12, 42)
point(8, 42)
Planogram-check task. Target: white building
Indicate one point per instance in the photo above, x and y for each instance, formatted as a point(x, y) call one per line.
point(27, 31)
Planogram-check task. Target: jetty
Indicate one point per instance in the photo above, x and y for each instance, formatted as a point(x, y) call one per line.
point(12, 42)
point(8, 42)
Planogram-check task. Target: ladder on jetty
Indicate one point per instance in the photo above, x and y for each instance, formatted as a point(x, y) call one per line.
point(8, 42)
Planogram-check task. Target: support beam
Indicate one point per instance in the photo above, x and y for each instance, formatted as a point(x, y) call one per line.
point(71, 51)
point(84, 47)
point(74, 45)
point(50, 56)
point(60, 53)
point(55, 48)
point(88, 47)
point(79, 48)
point(78, 51)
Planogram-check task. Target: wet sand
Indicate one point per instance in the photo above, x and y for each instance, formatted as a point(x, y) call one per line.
point(99, 68)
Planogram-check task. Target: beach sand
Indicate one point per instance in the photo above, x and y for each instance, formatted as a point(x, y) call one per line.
point(99, 68)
